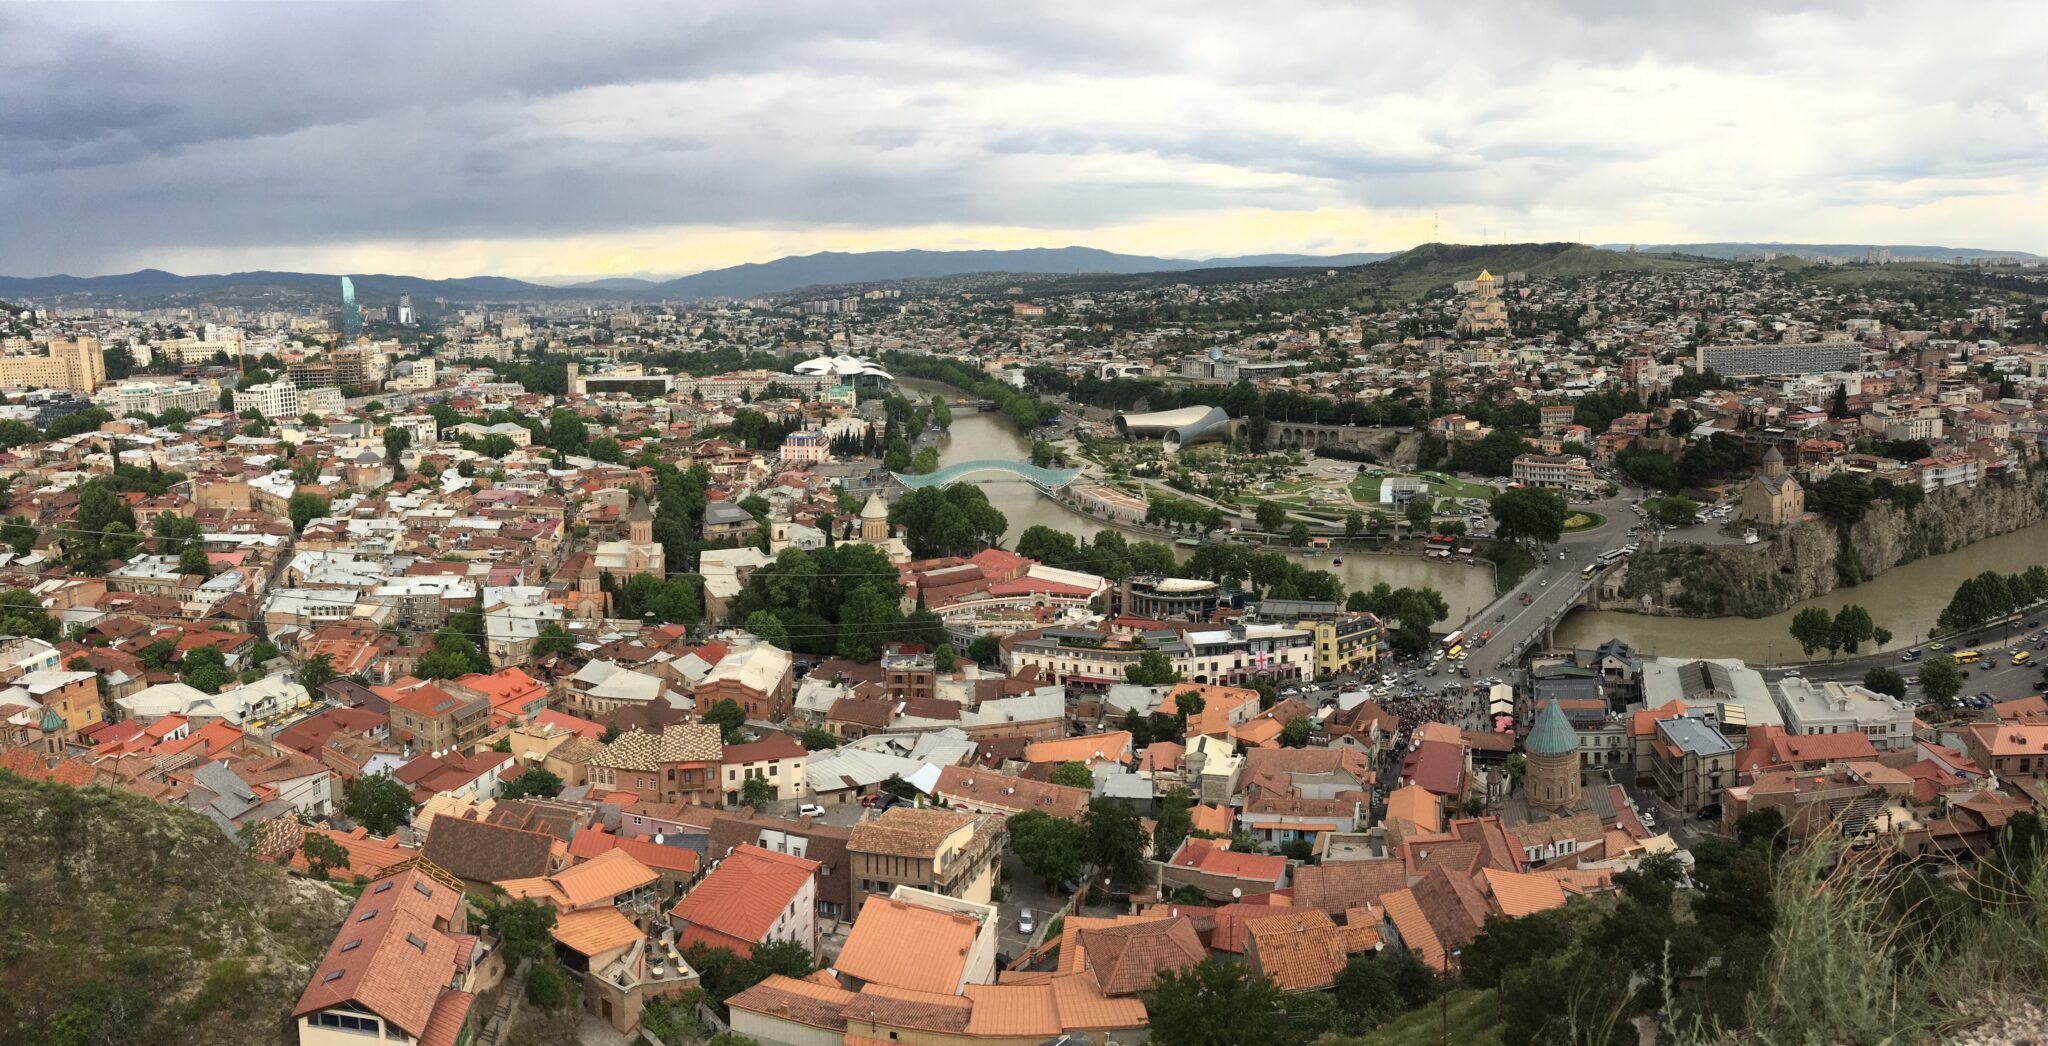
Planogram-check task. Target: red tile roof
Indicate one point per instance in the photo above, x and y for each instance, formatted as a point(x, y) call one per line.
point(741, 898)
point(388, 956)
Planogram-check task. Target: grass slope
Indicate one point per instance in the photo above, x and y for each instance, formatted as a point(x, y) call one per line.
point(124, 920)
point(1434, 265)
point(1472, 1023)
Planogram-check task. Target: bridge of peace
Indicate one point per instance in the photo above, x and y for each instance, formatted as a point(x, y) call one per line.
point(1048, 480)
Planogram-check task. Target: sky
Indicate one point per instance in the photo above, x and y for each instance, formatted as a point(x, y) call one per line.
point(553, 141)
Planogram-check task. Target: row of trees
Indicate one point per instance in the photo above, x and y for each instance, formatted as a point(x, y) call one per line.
point(1846, 629)
point(1991, 595)
point(1108, 553)
point(1108, 837)
point(1529, 513)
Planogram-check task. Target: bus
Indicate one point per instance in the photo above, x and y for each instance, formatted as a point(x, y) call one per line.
point(1454, 639)
point(2022, 657)
point(1967, 657)
point(1591, 569)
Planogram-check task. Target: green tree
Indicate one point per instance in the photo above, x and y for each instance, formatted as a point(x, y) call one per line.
point(1885, 681)
point(1354, 525)
point(305, 507)
point(1172, 820)
point(322, 854)
point(1814, 629)
point(985, 650)
point(377, 802)
point(1672, 509)
point(1043, 454)
point(1418, 514)
point(867, 621)
point(728, 717)
point(1217, 1004)
point(566, 432)
point(1851, 628)
point(757, 792)
point(1052, 848)
point(193, 561)
point(205, 668)
point(535, 783)
point(1271, 516)
point(19, 534)
point(1074, 775)
point(1298, 534)
point(816, 740)
point(317, 672)
point(1117, 841)
point(553, 639)
point(768, 627)
point(22, 614)
point(1528, 513)
point(1941, 681)
point(1153, 668)
point(1297, 732)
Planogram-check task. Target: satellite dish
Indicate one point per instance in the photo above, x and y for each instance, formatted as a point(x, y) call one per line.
point(1236, 893)
point(658, 838)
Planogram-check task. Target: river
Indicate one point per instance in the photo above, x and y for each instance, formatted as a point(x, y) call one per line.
point(1905, 600)
point(981, 437)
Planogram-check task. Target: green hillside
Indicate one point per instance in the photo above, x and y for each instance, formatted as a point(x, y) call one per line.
point(124, 920)
point(1433, 265)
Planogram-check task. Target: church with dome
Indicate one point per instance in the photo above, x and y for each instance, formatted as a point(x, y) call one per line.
point(1484, 312)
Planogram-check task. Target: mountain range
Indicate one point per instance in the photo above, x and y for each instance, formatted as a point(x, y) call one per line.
point(1832, 250)
point(840, 269)
point(831, 268)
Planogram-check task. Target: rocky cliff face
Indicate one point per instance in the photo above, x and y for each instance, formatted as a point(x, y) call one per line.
point(1817, 556)
point(125, 920)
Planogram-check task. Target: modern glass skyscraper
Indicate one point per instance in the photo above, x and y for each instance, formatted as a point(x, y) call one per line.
point(351, 317)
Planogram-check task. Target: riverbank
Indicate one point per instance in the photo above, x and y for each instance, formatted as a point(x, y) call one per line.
point(1906, 599)
point(1465, 586)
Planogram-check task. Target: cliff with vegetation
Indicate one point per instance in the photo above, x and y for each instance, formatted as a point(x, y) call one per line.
point(1820, 554)
point(123, 920)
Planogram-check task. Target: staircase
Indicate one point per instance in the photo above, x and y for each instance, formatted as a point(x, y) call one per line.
point(501, 1014)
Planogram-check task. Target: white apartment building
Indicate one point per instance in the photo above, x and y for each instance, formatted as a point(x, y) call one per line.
point(1844, 708)
point(156, 397)
point(1556, 471)
point(277, 400)
point(1952, 470)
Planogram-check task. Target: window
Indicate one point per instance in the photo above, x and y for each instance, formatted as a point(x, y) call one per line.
point(352, 945)
point(346, 1022)
point(383, 886)
point(332, 975)
point(367, 916)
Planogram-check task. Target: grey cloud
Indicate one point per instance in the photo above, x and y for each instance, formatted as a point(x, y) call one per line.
point(132, 127)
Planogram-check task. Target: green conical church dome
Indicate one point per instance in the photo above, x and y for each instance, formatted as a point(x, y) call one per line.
point(1553, 734)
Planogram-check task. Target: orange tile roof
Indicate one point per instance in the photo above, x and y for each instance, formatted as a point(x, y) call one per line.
point(1299, 949)
point(1258, 732)
point(1073, 954)
point(599, 879)
point(908, 946)
point(1516, 894)
point(1416, 805)
point(742, 897)
point(806, 1002)
point(594, 841)
point(1361, 929)
point(1209, 817)
point(1111, 746)
point(1207, 856)
point(1416, 933)
point(450, 1012)
point(387, 956)
point(594, 931)
point(1218, 705)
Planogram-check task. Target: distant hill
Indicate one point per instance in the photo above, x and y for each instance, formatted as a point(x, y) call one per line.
point(833, 268)
point(127, 920)
point(1416, 272)
point(738, 281)
point(1835, 250)
point(626, 284)
point(156, 283)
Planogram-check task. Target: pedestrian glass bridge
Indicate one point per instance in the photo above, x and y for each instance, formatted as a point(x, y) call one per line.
point(1042, 478)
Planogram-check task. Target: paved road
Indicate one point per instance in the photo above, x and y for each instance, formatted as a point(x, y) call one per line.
point(1550, 587)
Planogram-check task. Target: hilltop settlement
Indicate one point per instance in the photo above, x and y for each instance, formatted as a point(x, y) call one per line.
point(673, 668)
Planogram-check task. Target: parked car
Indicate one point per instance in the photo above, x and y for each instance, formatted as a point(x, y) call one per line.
point(1709, 812)
point(1026, 925)
point(810, 810)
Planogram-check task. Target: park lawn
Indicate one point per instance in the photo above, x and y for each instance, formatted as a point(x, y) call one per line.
point(1450, 487)
point(1472, 1023)
point(1583, 521)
